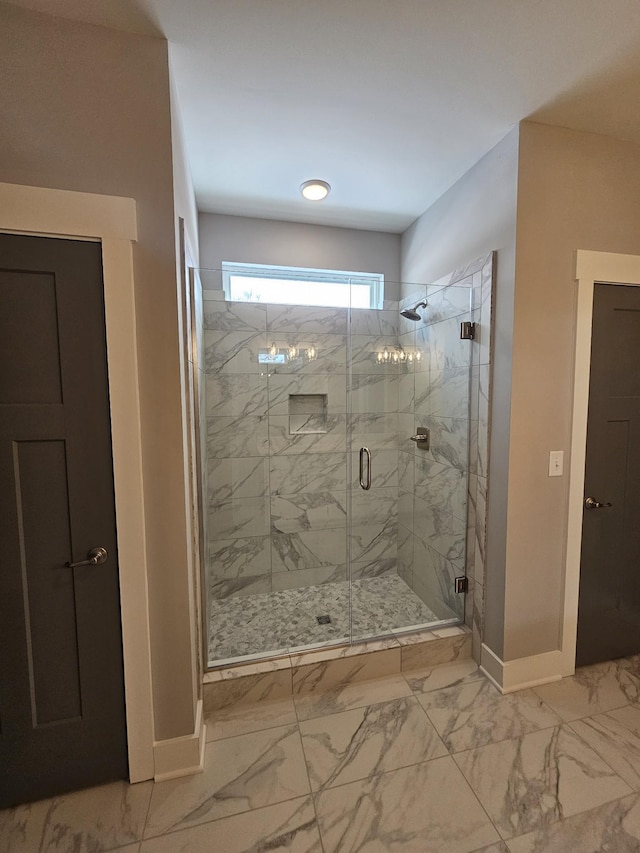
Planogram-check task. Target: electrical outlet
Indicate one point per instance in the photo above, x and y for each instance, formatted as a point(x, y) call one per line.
point(556, 463)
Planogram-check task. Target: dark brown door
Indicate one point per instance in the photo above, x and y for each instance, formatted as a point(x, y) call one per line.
point(609, 605)
point(62, 723)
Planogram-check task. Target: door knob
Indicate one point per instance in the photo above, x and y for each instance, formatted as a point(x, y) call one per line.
point(95, 557)
point(592, 503)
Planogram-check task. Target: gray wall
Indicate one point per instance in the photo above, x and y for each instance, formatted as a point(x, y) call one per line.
point(264, 241)
point(476, 216)
point(86, 108)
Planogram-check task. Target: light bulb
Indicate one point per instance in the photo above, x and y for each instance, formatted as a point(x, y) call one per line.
point(315, 190)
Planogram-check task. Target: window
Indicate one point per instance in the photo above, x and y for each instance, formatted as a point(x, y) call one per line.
point(302, 286)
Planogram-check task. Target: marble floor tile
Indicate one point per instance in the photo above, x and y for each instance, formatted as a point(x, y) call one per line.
point(423, 655)
point(499, 847)
point(346, 697)
point(287, 827)
point(426, 807)
point(614, 827)
point(475, 714)
point(368, 741)
point(539, 778)
point(592, 690)
point(616, 738)
point(241, 773)
point(244, 719)
point(95, 819)
point(444, 675)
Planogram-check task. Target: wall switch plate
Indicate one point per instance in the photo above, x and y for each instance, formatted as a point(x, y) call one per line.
point(556, 463)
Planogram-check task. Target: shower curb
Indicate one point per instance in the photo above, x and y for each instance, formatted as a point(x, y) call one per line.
point(318, 670)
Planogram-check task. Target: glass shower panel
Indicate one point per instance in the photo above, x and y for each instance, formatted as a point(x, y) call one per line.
point(408, 410)
point(276, 476)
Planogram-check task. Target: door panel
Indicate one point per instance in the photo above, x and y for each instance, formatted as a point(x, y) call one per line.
point(62, 722)
point(609, 604)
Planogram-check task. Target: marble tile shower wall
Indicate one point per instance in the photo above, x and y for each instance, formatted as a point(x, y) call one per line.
point(278, 485)
point(443, 492)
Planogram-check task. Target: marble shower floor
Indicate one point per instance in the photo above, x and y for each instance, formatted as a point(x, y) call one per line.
point(426, 760)
point(278, 621)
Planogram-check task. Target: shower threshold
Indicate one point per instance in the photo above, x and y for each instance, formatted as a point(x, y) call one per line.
point(275, 624)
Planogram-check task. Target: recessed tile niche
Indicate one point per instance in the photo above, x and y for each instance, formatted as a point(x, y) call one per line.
point(307, 413)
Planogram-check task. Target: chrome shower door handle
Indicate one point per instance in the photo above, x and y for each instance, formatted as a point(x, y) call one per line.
point(365, 484)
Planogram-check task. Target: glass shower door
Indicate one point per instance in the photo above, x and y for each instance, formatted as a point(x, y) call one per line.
point(408, 432)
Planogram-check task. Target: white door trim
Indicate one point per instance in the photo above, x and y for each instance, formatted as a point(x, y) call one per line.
point(591, 268)
point(112, 220)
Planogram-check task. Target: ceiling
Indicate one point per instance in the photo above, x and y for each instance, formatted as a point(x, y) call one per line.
point(391, 101)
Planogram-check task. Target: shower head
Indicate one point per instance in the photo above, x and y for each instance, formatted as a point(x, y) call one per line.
point(412, 313)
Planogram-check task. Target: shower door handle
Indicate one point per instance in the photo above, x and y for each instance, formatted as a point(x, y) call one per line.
point(365, 484)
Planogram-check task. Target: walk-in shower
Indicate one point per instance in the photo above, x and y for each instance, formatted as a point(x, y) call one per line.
point(337, 445)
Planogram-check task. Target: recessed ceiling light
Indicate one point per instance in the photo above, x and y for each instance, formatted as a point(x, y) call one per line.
point(315, 190)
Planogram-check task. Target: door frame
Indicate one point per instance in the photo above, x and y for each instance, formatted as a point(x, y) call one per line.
point(591, 268)
point(111, 220)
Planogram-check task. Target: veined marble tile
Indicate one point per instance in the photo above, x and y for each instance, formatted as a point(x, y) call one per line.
point(232, 558)
point(445, 347)
point(473, 715)
point(306, 550)
point(434, 577)
point(345, 672)
point(406, 392)
point(246, 585)
point(94, 819)
point(365, 350)
point(406, 468)
point(431, 654)
point(447, 302)
point(384, 469)
point(243, 719)
point(444, 675)
point(240, 395)
point(405, 509)
point(303, 318)
point(330, 355)
point(442, 485)
point(377, 432)
point(347, 696)
point(374, 568)
point(371, 541)
point(408, 809)
point(613, 827)
point(241, 773)
point(233, 352)
point(308, 511)
point(444, 393)
point(235, 316)
point(539, 778)
point(289, 827)
point(240, 436)
point(239, 518)
point(373, 393)
point(449, 440)
point(246, 690)
point(308, 577)
point(378, 505)
point(371, 321)
point(357, 744)
point(306, 658)
point(443, 532)
point(334, 440)
point(281, 385)
point(318, 472)
point(592, 690)
point(237, 477)
point(616, 738)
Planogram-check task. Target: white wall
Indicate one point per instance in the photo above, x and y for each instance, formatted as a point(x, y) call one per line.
point(241, 239)
point(476, 216)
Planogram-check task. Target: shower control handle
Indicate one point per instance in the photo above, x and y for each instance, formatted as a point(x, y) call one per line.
point(421, 438)
point(365, 484)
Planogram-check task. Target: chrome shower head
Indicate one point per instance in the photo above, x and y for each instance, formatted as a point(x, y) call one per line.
point(412, 313)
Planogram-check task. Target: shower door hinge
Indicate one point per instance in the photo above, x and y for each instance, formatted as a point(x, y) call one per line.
point(460, 584)
point(467, 331)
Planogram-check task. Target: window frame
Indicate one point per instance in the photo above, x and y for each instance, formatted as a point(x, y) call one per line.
point(375, 281)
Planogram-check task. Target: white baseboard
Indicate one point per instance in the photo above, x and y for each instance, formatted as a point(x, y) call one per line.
point(181, 756)
point(509, 676)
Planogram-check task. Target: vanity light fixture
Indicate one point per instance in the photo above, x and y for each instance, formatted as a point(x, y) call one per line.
point(315, 190)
